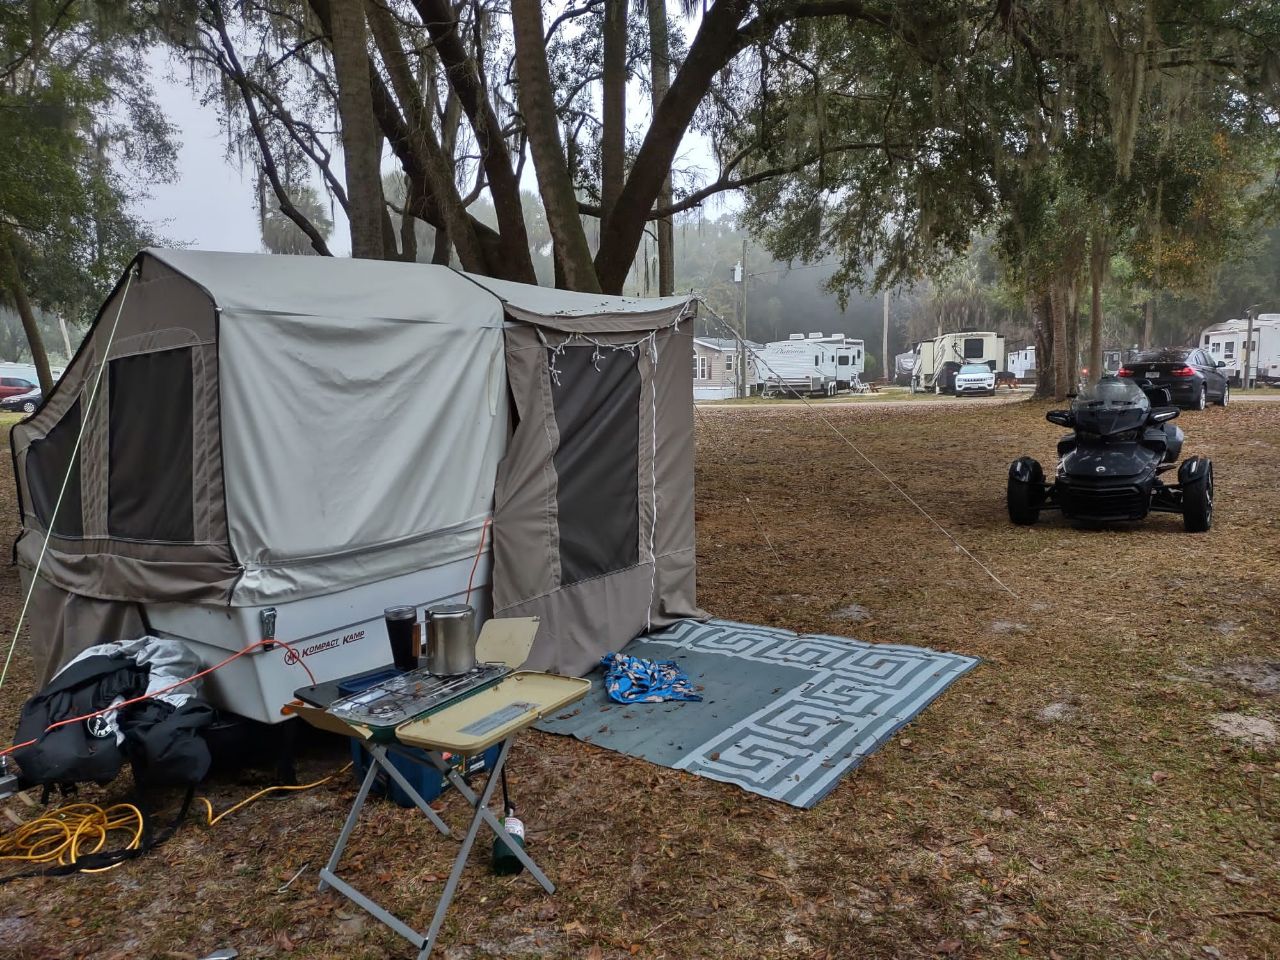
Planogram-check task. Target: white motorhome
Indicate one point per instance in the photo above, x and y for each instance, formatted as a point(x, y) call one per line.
point(801, 365)
point(939, 358)
point(1225, 342)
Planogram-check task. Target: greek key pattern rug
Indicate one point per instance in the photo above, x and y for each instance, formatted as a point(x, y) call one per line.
point(783, 715)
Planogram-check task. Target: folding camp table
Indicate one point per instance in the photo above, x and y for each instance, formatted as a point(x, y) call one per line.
point(466, 727)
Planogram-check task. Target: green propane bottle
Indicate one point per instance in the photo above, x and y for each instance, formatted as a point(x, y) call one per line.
point(505, 862)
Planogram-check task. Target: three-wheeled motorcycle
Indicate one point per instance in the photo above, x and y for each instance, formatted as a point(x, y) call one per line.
point(1110, 467)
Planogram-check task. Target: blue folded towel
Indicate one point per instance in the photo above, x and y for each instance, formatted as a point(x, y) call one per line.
point(633, 680)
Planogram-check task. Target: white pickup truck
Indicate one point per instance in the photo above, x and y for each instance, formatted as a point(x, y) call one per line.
point(975, 378)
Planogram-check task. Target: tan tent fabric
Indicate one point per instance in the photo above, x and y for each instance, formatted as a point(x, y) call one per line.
point(583, 620)
point(72, 624)
point(569, 312)
point(268, 429)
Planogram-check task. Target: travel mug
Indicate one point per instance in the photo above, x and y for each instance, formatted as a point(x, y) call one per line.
point(400, 622)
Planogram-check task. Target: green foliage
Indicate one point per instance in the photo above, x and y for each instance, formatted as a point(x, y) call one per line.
point(1057, 129)
point(82, 138)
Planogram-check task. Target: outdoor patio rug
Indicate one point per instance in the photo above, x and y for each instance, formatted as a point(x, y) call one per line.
point(783, 715)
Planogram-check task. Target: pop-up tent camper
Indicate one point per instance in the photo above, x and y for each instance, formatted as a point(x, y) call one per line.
point(241, 436)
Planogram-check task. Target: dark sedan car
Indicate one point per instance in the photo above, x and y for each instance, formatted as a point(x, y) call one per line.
point(23, 402)
point(1192, 377)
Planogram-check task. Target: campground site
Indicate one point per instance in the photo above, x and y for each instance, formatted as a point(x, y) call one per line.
point(1105, 783)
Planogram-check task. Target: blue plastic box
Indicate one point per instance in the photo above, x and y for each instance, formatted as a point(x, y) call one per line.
point(411, 762)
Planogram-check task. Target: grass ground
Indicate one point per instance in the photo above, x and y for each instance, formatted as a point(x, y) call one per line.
point(882, 394)
point(1071, 797)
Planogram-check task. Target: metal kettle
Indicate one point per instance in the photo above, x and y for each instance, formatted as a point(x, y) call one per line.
point(451, 639)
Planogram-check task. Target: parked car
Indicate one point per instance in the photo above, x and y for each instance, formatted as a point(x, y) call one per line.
point(22, 402)
point(975, 378)
point(1188, 373)
point(12, 386)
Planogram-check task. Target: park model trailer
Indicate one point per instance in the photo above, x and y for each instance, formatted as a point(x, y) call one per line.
point(1225, 342)
point(937, 360)
point(807, 366)
point(254, 448)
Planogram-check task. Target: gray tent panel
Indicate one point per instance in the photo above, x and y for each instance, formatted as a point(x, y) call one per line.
point(590, 313)
point(593, 523)
point(268, 429)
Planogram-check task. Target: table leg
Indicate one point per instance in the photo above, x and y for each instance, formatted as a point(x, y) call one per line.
point(460, 862)
point(493, 822)
point(347, 827)
point(416, 797)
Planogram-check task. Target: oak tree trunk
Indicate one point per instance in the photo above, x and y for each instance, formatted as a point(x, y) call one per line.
point(11, 277)
point(1042, 325)
point(717, 41)
point(1097, 264)
point(361, 137)
point(613, 108)
point(437, 166)
point(1073, 335)
point(660, 66)
point(537, 105)
point(1058, 308)
point(1148, 323)
point(504, 186)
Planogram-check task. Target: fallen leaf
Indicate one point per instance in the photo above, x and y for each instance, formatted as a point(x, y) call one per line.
point(1159, 777)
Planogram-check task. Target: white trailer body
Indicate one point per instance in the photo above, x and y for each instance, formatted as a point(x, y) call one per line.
point(850, 359)
point(1226, 342)
point(1022, 363)
point(803, 365)
point(967, 346)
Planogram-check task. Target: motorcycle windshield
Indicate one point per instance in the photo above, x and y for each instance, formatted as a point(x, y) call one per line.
point(1112, 405)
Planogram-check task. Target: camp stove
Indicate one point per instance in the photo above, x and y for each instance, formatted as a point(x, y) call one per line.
point(413, 694)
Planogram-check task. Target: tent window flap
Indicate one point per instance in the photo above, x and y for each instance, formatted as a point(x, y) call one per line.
point(597, 410)
point(47, 462)
point(149, 487)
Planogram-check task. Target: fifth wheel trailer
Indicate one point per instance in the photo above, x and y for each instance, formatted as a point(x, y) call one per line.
point(937, 360)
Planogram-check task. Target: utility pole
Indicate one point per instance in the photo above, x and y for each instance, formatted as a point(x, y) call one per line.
point(1248, 351)
point(742, 324)
point(66, 338)
point(884, 347)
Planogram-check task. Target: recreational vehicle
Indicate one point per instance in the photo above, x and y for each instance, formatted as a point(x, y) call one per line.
point(937, 360)
point(801, 365)
point(1022, 363)
point(1225, 342)
point(850, 360)
point(903, 364)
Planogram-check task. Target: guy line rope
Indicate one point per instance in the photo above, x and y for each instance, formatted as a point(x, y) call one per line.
point(854, 447)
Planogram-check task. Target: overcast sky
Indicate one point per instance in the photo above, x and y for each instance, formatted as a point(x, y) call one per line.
point(210, 206)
